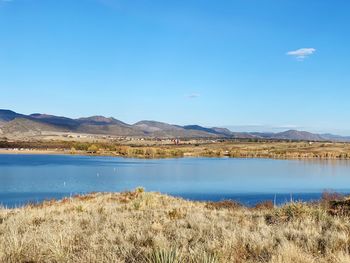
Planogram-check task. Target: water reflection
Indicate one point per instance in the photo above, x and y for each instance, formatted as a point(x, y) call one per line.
point(36, 177)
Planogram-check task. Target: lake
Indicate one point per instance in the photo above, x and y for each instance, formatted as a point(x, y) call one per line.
point(34, 178)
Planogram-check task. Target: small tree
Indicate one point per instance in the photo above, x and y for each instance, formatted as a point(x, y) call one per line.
point(93, 148)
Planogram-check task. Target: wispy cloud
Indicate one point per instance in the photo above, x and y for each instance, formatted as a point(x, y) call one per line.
point(302, 53)
point(192, 95)
point(6, 0)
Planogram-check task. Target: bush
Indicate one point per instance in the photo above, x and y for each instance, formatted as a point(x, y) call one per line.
point(81, 146)
point(294, 211)
point(264, 205)
point(93, 148)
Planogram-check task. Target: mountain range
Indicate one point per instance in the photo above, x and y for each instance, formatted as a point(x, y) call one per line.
point(14, 124)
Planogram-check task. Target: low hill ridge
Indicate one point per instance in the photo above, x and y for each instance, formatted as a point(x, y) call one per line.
point(37, 123)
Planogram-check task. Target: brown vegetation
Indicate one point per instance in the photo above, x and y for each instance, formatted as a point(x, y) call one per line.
point(149, 227)
point(233, 149)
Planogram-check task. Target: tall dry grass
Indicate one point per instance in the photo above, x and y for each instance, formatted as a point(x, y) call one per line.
point(150, 227)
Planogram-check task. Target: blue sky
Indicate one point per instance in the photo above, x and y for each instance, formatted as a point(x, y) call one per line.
point(246, 64)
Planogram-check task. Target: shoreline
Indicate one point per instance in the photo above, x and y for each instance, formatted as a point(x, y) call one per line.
point(34, 152)
point(8, 151)
point(275, 199)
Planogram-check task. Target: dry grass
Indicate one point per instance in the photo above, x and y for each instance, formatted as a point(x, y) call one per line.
point(239, 149)
point(150, 227)
point(154, 149)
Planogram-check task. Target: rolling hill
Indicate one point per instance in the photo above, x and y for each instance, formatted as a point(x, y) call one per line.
point(15, 124)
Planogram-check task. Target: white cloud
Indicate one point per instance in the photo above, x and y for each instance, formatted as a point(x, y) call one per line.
point(192, 96)
point(302, 53)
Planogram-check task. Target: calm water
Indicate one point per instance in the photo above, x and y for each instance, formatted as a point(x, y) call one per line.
point(33, 178)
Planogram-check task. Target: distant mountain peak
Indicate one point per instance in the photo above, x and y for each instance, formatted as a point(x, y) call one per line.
point(98, 118)
point(298, 135)
point(3, 111)
point(8, 115)
point(101, 120)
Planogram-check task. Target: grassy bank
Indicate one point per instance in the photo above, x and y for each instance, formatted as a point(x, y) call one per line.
point(150, 227)
point(154, 149)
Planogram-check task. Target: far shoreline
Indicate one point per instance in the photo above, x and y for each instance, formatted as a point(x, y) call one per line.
point(23, 151)
point(34, 152)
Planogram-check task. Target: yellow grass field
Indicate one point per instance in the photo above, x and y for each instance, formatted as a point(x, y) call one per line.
point(149, 227)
